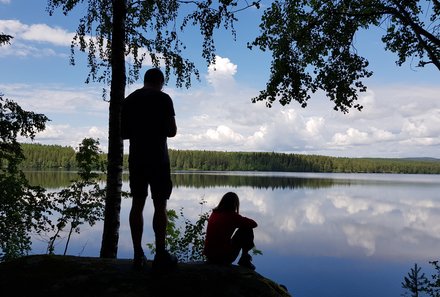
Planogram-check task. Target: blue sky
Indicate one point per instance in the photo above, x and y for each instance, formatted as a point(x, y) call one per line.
point(401, 116)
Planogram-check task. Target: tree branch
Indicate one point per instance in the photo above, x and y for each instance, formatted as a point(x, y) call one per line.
point(254, 3)
point(402, 14)
point(5, 39)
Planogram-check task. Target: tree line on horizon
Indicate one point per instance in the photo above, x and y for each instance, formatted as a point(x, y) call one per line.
point(42, 157)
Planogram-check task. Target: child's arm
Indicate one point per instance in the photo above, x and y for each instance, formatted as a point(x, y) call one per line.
point(245, 222)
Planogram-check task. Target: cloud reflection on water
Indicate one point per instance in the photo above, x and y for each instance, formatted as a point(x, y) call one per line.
point(392, 220)
point(350, 216)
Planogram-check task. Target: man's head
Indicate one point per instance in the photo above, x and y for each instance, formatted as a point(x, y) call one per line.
point(154, 78)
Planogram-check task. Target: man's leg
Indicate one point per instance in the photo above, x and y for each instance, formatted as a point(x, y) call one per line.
point(137, 224)
point(160, 220)
point(161, 187)
point(162, 260)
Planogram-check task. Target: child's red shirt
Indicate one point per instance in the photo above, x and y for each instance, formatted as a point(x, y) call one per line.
point(221, 227)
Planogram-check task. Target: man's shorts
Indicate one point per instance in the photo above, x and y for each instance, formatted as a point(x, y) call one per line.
point(158, 177)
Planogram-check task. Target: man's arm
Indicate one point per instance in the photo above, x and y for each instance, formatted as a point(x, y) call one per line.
point(172, 127)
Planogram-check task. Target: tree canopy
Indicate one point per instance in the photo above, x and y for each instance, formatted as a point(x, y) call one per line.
point(313, 45)
point(153, 33)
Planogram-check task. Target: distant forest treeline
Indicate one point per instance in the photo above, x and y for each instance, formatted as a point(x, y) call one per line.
point(41, 157)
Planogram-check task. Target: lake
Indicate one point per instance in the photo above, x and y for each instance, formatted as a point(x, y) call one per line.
point(321, 234)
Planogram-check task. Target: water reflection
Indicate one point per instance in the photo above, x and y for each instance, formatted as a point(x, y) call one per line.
point(351, 215)
point(51, 179)
point(211, 180)
point(360, 219)
point(57, 179)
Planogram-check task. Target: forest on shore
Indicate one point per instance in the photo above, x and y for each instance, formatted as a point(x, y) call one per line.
point(44, 157)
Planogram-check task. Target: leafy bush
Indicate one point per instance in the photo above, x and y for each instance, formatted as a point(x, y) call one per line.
point(23, 208)
point(185, 242)
point(83, 201)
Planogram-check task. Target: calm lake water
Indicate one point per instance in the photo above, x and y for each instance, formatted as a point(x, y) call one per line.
point(350, 235)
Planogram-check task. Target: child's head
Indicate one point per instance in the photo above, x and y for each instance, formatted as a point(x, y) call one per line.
point(229, 202)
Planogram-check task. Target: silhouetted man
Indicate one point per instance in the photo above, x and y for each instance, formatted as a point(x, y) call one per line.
point(147, 121)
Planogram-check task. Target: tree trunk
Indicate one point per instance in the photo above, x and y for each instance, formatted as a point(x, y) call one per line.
point(110, 236)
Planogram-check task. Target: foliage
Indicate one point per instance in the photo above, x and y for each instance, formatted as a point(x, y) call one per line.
point(264, 161)
point(313, 45)
point(23, 208)
point(40, 156)
point(433, 286)
point(186, 244)
point(83, 201)
point(46, 157)
point(415, 282)
point(5, 39)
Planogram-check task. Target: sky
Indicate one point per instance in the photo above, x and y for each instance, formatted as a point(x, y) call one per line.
point(401, 115)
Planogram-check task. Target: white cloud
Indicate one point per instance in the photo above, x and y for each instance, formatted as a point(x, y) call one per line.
point(11, 27)
point(74, 113)
point(223, 133)
point(221, 73)
point(351, 137)
point(55, 99)
point(45, 33)
point(53, 132)
point(67, 135)
point(314, 130)
point(23, 50)
point(5, 1)
point(36, 32)
point(97, 133)
point(414, 128)
point(314, 125)
point(33, 40)
point(422, 141)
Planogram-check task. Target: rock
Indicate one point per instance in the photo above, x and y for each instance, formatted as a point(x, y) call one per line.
point(50, 275)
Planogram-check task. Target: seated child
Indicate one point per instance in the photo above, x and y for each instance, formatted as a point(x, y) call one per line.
point(222, 245)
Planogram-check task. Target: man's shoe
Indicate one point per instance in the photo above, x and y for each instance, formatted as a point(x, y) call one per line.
point(245, 261)
point(164, 261)
point(139, 261)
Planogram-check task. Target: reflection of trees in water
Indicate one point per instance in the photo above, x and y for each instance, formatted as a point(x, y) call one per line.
point(51, 179)
point(200, 180)
point(57, 179)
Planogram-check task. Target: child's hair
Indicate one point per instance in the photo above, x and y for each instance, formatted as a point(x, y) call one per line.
point(229, 202)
